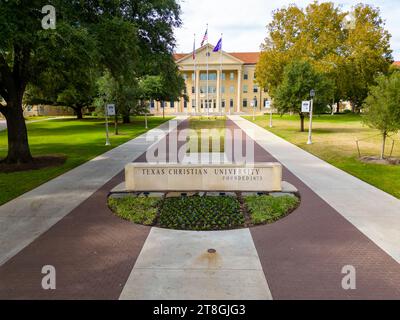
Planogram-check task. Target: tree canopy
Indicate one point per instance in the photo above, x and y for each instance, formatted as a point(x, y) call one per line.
point(299, 78)
point(127, 38)
point(351, 48)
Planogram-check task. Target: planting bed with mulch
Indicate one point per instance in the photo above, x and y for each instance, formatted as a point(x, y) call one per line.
point(203, 212)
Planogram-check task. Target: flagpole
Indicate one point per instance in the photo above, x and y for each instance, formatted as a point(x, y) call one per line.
point(195, 73)
point(208, 53)
point(220, 72)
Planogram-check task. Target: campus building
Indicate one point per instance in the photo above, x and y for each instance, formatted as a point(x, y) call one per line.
point(231, 84)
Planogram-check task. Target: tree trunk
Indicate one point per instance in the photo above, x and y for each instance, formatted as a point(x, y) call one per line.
point(126, 118)
point(384, 134)
point(18, 146)
point(302, 122)
point(78, 112)
point(116, 124)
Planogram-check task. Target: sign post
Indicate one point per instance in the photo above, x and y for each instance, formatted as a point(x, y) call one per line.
point(110, 111)
point(312, 95)
point(268, 106)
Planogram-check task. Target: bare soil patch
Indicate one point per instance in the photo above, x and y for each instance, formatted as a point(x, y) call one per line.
point(38, 163)
point(377, 160)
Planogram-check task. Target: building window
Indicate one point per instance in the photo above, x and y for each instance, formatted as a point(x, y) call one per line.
point(255, 103)
point(152, 104)
point(185, 104)
point(215, 104)
point(231, 103)
point(246, 76)
point(212, 89)
point(223, 76)
point(232, 76)
point(245, 88)
point(193, 90)
point(185, 77)
point(255, 89)
point(222, 89)
point(244, 103)
point(162, 104)
point(193, 76)
point(193, 103)
point(265, 90)
point(171, 104)
point(223, 103)
point(212, 76)
point(232, 89)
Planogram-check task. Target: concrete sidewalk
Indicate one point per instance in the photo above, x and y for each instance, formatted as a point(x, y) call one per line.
point(375, 213)
point(28, 216)
point(176, 265)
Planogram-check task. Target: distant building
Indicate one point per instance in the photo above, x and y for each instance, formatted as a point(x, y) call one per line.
point(47, 110)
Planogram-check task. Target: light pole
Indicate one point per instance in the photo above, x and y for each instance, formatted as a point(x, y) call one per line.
point(312, 95)
point(107, 135)
point(270, 116)
point(254, 107)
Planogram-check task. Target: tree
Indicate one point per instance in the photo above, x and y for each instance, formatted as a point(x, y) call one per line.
point(367, 53)
point(299, 78)
point(164, 87)
point(26, 50)
point(351, 55)
point(123, 92)
point(382, 106)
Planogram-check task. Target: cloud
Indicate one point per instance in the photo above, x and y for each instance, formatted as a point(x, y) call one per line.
point(243, 23)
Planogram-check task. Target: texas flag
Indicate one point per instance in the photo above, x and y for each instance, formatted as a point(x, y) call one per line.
point(218, 47)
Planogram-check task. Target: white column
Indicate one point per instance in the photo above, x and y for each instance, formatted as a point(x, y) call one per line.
point(239, 90)
point(219, 90)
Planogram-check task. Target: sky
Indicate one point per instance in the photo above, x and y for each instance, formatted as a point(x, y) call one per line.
point(243, 22)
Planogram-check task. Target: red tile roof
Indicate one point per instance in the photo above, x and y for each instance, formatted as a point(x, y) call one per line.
point(246, 57)
point(397, 63)
point(178, 56)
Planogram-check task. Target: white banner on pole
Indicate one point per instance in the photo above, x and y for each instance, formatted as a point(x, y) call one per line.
point(267, 104)
point(305, 106)
point(111, 109)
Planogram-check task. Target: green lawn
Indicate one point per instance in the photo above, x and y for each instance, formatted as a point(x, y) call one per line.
point(334, 141)
point(79, 140)
point(214, 128)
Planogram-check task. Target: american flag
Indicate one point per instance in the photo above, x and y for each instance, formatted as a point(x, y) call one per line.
point(194, 48)
point(205, 38)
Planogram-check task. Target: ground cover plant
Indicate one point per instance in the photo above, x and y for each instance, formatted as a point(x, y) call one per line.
point(268, 209)
point(141, 210)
